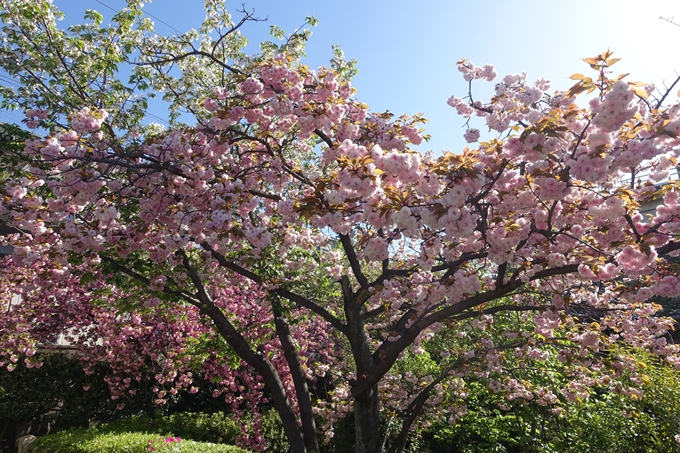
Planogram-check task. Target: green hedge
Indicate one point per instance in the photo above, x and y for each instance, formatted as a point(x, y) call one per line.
point(215, 428)
point(86, 441)
point(208, 433)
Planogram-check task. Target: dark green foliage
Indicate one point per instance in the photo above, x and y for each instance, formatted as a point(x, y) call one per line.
point(343, 438)
point(54, 393)
point(12, 160)
point(31, 400)
point(272, 431)
point(605, 423)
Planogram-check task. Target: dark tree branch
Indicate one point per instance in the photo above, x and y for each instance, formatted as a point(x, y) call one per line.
point(195, 52)
point(580, 139)
point(501, 274)
point(324, 137)
point(286, 294)
point(668, 248)
point(453, 266)
point(415, 407)
point(269, 196)
point(195, 279)
point(353, 260)
point(497, 309)
point(638, 237)
point(186, 296)
point(247, 16)
point(486, 191)
point(668, 91)
point(246, 352)
point(299, 381)
point(388, 352)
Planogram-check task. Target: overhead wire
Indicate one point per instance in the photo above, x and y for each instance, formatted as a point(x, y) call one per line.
point(151, 115)
point(143, 12)
point(9, 80)
point(5, 113)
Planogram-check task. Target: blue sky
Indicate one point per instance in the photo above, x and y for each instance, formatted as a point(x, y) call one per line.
point(407, 51)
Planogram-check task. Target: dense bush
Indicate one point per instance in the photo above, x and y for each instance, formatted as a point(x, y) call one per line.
point(33, 399)
point(603, 423)
point(54, 393)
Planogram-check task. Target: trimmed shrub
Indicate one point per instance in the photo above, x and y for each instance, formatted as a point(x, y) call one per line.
point(215, 428)
point(91, 441)
point(177, 433)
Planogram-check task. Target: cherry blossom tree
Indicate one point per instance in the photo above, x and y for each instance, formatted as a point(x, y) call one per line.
point(317, 241)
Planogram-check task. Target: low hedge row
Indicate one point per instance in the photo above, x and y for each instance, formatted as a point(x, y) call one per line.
point(215, 428)
point(83, 441)
point(208, 433)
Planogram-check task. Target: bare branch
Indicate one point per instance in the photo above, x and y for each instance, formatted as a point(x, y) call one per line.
point(248, 16)
point(353, 260)
point(178, 58)
point(668, 91)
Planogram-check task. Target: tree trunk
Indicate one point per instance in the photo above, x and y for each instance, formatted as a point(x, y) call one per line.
point(299, 380)
point(366, 404)
point(367, 423)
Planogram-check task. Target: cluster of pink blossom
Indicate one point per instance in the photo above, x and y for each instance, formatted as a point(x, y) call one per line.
point(471, 72)
point(615, 109)
point(550, 188)
point(376, 249)
point(462, 108)
point(162, 441)
point(34, 116)
point(87, 120)
point(471, 135)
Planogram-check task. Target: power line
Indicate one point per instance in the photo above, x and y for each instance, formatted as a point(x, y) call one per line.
point(144, 12)
point(9, 80)
point(156, 117)
point(7, 113)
